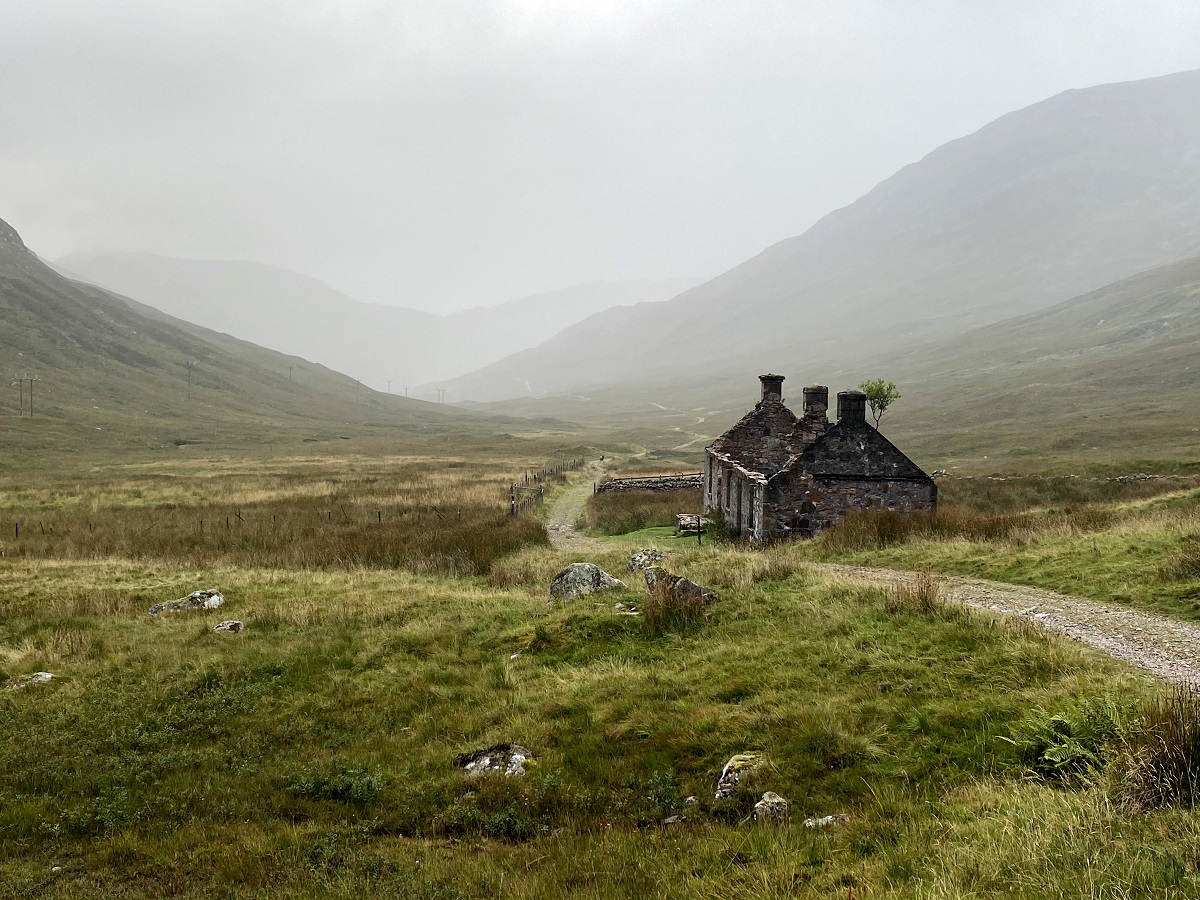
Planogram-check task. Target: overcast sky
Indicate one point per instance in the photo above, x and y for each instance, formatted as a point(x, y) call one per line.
point(452, 153)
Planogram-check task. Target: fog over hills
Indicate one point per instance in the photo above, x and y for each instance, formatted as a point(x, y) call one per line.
point(111, 369)
point(296, 314)
point(1055, 200)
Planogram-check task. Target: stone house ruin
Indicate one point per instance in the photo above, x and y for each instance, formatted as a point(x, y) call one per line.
point(774, 475)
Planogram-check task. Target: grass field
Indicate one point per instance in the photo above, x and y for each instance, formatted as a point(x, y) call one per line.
point(317, 753)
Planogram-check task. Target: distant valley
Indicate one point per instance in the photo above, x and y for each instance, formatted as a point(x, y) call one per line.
point(296, 314)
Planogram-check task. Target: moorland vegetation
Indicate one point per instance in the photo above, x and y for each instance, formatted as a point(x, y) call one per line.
point(318, 752)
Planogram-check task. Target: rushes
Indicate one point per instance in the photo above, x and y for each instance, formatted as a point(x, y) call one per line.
point(1159, 762)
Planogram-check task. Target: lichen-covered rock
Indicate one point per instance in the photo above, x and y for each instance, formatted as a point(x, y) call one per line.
point(229, 626)
point(579, 579)
point(26, 680)
point(501, 759)
point(682, 589)
point(208, 599)
point(644, 559)
point(737, 770)
point(771, 808)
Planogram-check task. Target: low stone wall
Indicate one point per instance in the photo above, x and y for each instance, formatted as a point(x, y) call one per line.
point(660, 483)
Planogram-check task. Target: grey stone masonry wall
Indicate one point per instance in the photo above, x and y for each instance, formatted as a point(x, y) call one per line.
point(806, 505)
point(659, 483)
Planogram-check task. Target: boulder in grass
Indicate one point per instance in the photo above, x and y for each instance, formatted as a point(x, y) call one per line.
point(740, 767)
point(682, 591)
point(579, 579)
point(771, 808)
point(207, 599)
point(229, 626)
point(500, 759)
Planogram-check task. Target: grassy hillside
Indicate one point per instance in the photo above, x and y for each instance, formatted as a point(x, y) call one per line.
point(115, 375)
point(1041, 205)
point(1106, 376)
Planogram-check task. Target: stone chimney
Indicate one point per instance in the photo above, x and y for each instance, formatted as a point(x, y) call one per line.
point(816, 400)
point(772, 388)
point(852, 406)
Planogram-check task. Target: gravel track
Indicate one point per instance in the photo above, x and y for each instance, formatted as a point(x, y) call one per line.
point(1163, 647)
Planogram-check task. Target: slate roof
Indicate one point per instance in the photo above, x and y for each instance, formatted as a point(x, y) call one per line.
point(761, 441)
point(856, 450)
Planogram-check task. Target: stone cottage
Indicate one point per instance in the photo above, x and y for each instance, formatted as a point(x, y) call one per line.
point(775, 475)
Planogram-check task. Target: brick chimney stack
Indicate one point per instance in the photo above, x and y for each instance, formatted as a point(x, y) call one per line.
point(852, 406)
point(772, 388)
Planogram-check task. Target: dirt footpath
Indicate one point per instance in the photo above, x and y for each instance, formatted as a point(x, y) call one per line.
point(560, 524)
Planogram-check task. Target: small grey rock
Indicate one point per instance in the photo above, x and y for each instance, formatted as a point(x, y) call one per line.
point(644, 559)
point(206, 599)
point(232, 626)
point(826, 821)
point(501, 759)
point(739, 767)
point(771, 808)
point(27, 680)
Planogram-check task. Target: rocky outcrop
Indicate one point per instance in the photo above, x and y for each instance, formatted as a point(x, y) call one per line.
point(579, 579)
point(207, 599)
point(500, 759)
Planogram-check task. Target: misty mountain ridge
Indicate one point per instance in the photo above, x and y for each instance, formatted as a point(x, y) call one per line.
point(1041, 205)
point(297, 314)
point(109, 369)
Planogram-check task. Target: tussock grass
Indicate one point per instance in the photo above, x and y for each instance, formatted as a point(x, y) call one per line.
point(446, 516)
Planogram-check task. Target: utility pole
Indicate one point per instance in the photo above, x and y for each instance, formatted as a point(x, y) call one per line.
point(190, 366)
point(389, 381)
point(357, 382)
point(290, 373)
point(405, 386)
point(31, 381)
point(441, 395)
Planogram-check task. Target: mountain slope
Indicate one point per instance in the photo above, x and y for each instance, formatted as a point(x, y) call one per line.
point(296, 314)
point(1041, 205)
point(1117, 369)
point(106, 367)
